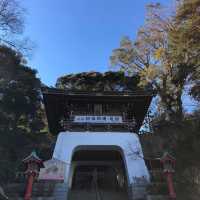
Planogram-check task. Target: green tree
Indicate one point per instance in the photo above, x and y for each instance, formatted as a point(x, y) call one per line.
point(149, 56)
point(184, 41)
point(21, 115)
point(20, 103)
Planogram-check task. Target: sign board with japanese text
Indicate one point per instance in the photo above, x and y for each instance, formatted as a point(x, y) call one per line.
point(97, 119)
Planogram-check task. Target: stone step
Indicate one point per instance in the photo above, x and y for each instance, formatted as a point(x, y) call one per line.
point(37, 198)
point(158, 197)
point(58, 191)
point(41, 191)
point(102, 195)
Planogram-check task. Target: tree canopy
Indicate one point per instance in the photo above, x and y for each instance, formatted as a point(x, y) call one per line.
point(95, 81)
point(20, 90)
point(21, 115)
point(22, 118)
point(154, 57)
point(185, 42)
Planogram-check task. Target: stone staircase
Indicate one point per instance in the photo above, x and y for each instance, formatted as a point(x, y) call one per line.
point(92, 195)
point(158, 197)
point(42, 190)
point(157, 189)
point(54, 190)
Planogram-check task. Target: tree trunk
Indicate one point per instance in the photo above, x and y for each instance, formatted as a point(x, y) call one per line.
point(173, 109)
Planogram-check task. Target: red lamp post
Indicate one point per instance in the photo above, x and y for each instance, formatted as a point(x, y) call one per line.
point(168, 162)
point(33, 165)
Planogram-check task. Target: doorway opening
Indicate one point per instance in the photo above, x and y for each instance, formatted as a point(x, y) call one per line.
point(98, 174)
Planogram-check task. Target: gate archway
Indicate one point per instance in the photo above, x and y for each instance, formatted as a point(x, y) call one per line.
point(99, 173)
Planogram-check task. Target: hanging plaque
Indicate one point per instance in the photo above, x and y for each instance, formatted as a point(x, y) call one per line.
point(97, 119)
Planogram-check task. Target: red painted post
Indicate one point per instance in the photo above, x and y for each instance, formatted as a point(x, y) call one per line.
point(168, 162)
point(33, 165)
point(29, 187)
point(172, 193)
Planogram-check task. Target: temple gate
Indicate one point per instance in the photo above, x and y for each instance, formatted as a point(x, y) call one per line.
point(98, 152)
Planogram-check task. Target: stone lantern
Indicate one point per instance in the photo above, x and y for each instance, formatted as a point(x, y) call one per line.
point(168, 163)
point(33, 164)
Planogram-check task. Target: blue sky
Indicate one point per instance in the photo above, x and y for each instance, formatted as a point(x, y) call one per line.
point(79, 35)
